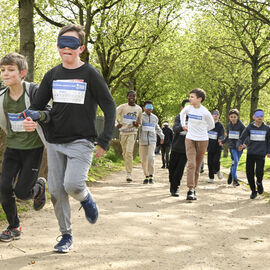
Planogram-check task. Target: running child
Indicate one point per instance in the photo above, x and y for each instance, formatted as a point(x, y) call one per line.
point(178, 158)
point(147, 141)
point(214, 149)
point(234, 130)
point(130, 118)
point(23, 154)
point(76, 88)
point(257, 147)
point(200, 121)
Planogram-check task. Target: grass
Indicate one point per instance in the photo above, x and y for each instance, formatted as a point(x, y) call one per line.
point(226, 162)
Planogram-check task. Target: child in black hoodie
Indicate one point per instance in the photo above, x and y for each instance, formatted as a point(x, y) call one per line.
point(257, 147)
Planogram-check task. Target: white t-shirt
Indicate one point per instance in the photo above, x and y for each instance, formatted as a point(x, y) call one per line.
point(200, 121)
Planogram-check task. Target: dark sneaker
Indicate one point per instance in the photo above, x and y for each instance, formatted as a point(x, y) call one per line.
point(40, 199)
point(235, 182)
point(11, 234)
point(229, 180)
point(191, 195)
point(65, 244)
point(163, 167)
point(260, 187)
point(151, 180)
point(146, 180)
point(90, 209)
point(253, 195)
point(175, 193)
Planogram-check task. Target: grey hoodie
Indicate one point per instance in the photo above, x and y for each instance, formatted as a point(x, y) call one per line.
point(149, 130)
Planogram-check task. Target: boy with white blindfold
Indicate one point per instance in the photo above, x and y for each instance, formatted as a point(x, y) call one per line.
point(257, 147)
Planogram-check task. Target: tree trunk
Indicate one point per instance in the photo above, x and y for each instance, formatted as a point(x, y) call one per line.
point(27, 35)
point(255, 92)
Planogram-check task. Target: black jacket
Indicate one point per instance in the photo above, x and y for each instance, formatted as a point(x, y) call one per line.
point(179, 136)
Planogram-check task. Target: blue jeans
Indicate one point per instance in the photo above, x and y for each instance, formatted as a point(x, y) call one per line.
point(235, 156)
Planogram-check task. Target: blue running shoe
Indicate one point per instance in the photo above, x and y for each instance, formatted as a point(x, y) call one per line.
point(90, 209)
point(65, 244)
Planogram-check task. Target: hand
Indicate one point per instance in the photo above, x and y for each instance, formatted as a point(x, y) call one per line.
point(34, 115)
point(220, 142)
point(100, 151)
point(119, 125)
point(161, 141)
point(244, 146)
point(185, 128)
point(268, 155)
point(135, 123)
point(240, 147)
point(29, 125)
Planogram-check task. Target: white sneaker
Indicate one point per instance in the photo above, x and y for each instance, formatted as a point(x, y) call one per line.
point(210, 180)
point(129, 178)
point(219, 175)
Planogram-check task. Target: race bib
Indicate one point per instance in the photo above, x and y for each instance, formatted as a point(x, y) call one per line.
point(148, 127)
point(128, 119)
point(16, 122)
point(195, 117)
point(212, 135)
point(65, 91)
point(257, 135)
point(234, 134)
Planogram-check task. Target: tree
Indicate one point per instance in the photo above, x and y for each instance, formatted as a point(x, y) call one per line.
point(27, 35)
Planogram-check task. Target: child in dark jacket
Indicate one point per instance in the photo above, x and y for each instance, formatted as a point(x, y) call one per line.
point(178, 158)
point(214, 149)
point(257, 147)
point(234, 130)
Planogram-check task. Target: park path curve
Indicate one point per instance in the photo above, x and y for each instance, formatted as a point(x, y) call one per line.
point(141, 227)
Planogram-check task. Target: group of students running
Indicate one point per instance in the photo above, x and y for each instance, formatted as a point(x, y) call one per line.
point(60, 115)
point(195, 131)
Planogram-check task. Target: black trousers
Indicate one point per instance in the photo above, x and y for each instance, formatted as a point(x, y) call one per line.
point(176, 169)
point(20, 171)
point(213, 161)
point(165, 152)
point(251, 162)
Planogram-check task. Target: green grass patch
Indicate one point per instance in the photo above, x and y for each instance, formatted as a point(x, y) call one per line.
point(226, 162)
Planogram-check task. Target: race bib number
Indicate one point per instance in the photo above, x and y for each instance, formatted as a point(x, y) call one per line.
point(212, 135)
point(128, 119)
point(16, 122)
point(257, 135)
point(65, 91)
point(148, 127)
point(234, 135)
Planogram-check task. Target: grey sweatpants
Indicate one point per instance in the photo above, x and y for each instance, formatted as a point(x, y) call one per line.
point(68, 166)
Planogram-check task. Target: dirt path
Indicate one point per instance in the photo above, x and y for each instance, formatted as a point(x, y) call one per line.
point(142, 227)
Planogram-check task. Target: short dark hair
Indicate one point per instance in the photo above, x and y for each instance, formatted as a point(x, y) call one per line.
point(200, 93)
point(184, 102)
point(131, 91)
point(234, 111)
point(73, 28)
point(147, 102)
point(258, 110)
point(15, 59)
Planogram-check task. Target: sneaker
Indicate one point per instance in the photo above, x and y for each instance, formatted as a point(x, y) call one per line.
point(191, 195)
point(163, 167)
point(146, 180)
point(90, 209)
point(151, 180)
point(65, 244)
point(210, 180)
point(175, 193)
point(219, 175)
point(260, 187)
point(40, 198)
point(229, 180)
point(235, 182)
point(253, 195)
point(129, 178)
point(11, 234)
point(201, 170)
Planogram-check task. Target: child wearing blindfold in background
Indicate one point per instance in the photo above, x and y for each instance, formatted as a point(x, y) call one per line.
point(257, 147)
point(147, 141)
point(76, 88)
